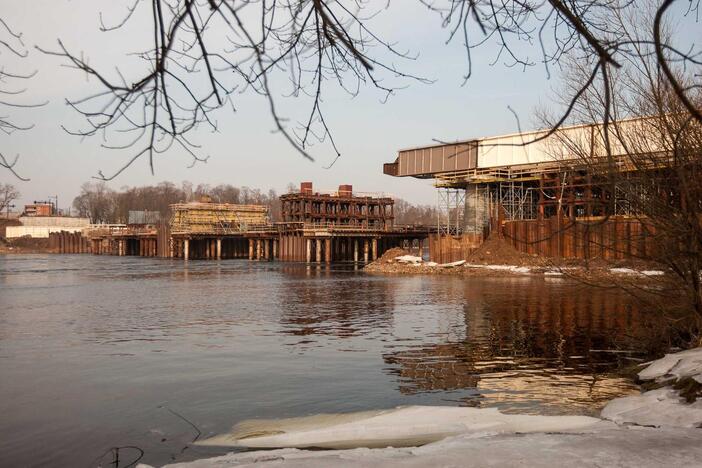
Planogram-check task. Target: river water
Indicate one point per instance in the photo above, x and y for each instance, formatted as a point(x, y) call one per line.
point(101, 352)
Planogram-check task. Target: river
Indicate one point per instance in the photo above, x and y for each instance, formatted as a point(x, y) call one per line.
point(101, 352)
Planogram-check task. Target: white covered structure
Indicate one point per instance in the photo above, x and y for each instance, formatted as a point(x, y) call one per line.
point(464, 160)
point(42, 226)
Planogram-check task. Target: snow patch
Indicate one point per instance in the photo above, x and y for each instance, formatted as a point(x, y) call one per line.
point(679, 365)
point(510, 268)
point(662, 407)
point(658, 408)
point(629, 271)
point(408, 259)
point(606, 446)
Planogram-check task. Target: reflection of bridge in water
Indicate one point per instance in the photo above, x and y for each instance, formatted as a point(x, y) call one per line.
point(361, 305)
point(521, 339)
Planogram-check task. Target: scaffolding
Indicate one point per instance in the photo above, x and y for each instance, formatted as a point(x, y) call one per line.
point(338, 209)
point(516, 199)
point(216, 218)
point(451, 211)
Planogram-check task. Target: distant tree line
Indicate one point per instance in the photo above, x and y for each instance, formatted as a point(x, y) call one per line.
point(407, 213)
point(8, 194)
point(102, 204)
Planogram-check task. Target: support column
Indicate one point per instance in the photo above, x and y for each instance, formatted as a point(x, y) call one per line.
point(318, 250)
point(186, 249)
point(267, 249)
point(275, 248)
point(355, 250)
point(219, 248)
point(328, 250)
point(251, 249)
point(365, 250)
point(309, 250)
point(375, 249)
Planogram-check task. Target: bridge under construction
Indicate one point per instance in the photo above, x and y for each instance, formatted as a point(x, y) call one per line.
point(337, 226)
point(544, 190)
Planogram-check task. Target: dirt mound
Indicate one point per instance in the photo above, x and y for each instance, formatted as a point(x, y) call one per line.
point(496, 251)
point(390, 255)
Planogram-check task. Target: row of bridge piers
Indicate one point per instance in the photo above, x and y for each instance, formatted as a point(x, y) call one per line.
point(287, 248)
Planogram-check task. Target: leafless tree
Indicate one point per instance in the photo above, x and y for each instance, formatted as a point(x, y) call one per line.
point(11, 90)
point(96, 201)
point(409, 214)
point(650, 166)
point(8, 194)
point(205, 50)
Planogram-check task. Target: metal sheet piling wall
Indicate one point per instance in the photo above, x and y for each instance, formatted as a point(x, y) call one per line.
point(612, 238)
point(447, 248)
point(69, 243)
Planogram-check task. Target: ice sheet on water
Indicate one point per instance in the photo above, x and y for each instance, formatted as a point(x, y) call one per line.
point(399, 427)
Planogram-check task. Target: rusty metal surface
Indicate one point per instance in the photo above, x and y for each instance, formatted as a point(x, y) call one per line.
point(613, 238)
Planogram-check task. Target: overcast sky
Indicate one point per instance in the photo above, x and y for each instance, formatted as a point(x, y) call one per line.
point(245, 151)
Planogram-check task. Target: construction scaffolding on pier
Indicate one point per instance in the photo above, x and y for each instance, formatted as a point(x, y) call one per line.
point(337, 226)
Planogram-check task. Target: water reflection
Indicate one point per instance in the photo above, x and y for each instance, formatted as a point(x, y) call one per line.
point(340, 304)
point(519, 342)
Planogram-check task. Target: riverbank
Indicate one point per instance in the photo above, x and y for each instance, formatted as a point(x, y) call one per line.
point(496, 258)
point(660, 427)
point(24, 245)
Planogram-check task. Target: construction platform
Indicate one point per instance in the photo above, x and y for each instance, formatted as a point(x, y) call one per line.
point(317, 227)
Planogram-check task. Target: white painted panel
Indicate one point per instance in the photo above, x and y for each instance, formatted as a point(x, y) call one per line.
point(13, 232)
point(64, 221)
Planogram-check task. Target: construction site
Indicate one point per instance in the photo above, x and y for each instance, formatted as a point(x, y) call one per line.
point(316, 227)
point(538, 196)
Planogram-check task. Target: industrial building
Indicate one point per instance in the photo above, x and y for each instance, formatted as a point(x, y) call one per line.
point(39, 208)
point(340, 208)
point(340, 225)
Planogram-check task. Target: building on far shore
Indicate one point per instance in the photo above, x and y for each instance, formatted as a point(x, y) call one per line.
point(39, 208)
point(41, 226)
